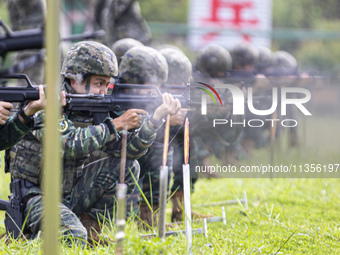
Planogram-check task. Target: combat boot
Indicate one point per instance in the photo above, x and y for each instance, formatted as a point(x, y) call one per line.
point(94, 230)
point(148, 217)
point(177, 208)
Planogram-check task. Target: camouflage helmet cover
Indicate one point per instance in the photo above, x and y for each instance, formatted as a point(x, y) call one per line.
point(244, 54)
point(167, 46)
point(285, 60)
point(143, 64)
point(121, 46)
point(213, 59)
point(266, 58)
point(180, 68)
point(88, 57)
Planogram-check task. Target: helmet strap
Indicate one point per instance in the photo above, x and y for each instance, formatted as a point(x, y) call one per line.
point(67, 86)
point(88, 83)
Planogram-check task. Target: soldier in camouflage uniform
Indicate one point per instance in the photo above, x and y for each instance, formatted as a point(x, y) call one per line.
point(121, 46)
point(12, 129)
point(91, 153)
point(245, 57)
point(122, 19)
point(213, 63)
point(252, 63)
point(28, 15)
point(145, 65)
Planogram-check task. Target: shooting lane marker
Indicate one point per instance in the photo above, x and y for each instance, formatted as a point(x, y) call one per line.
point(205, 228)
point(196, 231)
point(163, 182)
point(186, 188)
point(121, 197)
point(223, 216)
point(243, 201)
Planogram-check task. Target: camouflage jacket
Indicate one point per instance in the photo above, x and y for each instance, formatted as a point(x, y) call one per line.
point(80, 146)
point(12, 132)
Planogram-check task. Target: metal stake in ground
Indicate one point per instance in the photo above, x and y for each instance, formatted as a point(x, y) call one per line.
point(163, 182)
point(186, 188)
point(121, 198)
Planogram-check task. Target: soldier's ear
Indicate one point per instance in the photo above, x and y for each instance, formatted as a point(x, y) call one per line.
point(72, 83)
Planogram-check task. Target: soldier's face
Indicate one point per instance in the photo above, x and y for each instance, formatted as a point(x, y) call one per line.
point(97, 84)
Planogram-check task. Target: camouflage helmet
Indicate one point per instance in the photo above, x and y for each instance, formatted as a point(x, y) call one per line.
point(121, 46)
point(89, 57)
point(143, 64)
point(284, 65)
point(266, 59)
point(180, 68)
point(213, 59)
point(285, 60)
point(244, 54)
point(167, 46)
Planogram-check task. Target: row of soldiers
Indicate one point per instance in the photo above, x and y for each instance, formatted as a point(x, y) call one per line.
point(245, 66)
point(91, 153)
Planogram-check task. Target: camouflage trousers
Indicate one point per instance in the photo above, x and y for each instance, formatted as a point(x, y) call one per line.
point(150, 165)
point(93, 192)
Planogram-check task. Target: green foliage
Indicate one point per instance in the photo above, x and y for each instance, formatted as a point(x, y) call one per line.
point(305, 15)
point(322, 55)
point(165, 11)
point(295, 14)
point(3, 11)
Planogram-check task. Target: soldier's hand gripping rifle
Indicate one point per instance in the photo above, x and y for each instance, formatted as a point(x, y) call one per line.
point(123, 97)
point(15, 206)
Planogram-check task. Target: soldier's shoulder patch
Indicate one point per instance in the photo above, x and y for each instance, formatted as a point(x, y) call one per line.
point(63, 123)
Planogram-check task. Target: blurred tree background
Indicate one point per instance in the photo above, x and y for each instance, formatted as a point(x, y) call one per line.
point(319, 19)
point(308, 29)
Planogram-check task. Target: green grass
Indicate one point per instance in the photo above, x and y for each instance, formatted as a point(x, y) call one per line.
point(285, 216)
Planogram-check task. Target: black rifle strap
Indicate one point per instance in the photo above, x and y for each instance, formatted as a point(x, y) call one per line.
point(7, 160)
